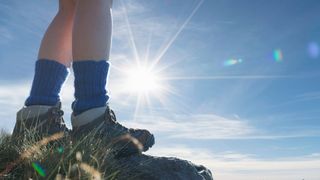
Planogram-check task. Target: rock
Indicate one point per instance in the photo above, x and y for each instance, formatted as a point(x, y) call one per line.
point(144, 167)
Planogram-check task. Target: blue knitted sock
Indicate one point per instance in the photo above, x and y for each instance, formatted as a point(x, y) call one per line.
point(48, 80)
point(90, 85)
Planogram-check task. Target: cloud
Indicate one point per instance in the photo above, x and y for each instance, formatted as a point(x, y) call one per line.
point(29, 17)
point(232, 165)
point(312, 96)
point(309, 96)
point(193, 126)
point(5, 34)
point(230, 77)
point(208, 126)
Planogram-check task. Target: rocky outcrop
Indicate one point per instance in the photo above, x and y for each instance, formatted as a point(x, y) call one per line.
point(144, 167)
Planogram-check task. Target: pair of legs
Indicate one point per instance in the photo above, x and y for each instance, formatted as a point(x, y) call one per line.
point(81, 30)
point(79, 35)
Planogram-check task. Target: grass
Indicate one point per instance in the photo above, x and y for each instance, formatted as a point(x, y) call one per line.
point(56, 157)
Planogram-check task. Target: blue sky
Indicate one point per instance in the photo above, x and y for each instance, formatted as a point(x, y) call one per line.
point(255, 119)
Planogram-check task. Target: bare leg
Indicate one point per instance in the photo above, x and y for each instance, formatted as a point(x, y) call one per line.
point(91, 49)
point(57, 42)
point(92, 30)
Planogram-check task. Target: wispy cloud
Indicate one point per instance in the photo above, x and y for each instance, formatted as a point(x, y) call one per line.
point(194, 126)
point(311, 96)
point(5, 34)
point(308, 96)
point(231, 77)
point(24, 17)
point(209, 126)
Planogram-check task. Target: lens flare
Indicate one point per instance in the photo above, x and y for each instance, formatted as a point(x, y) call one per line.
point(231, 62)
point(313, 50)
point(277, 55)
point(60, 150)
point(39, 169)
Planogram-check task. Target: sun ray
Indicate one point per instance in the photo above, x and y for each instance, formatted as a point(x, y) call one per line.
point(147, 54)
point(115, 67)
point(148, 102)
point(131, 37)
point(231, 77)
point(172, 40)
point(136, 111)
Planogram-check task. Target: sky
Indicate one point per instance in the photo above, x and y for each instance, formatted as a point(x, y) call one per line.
point(236, 80)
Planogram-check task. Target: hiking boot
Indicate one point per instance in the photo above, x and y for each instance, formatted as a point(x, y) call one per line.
point(42, 120)
point(101, 123)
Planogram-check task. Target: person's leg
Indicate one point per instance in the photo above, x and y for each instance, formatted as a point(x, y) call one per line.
point(55, 55)
point(42, 112)
point(57, 42)
point(91, 48)
point(92, 30)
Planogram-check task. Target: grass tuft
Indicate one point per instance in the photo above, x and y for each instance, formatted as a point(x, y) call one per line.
point(56, 157)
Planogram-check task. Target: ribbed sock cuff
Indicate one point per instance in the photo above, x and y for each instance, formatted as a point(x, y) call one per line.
point(47, 83)
point(90, 85)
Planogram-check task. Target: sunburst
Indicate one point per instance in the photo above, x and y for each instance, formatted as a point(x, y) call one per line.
point(144, 78)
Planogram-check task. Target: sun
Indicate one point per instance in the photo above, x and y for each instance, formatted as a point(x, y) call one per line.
point(142, 80)
point(142, 84)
